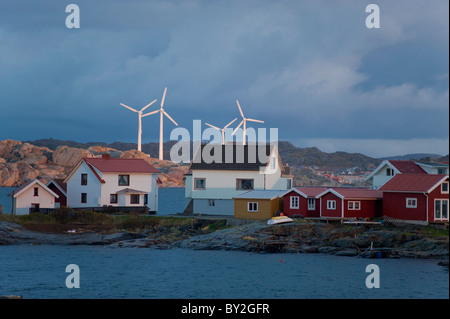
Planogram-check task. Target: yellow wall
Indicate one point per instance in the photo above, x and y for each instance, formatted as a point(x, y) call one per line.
point(266, 208)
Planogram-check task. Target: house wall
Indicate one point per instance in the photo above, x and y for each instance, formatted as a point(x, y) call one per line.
point(74, 188)
point(62, 200)
point(303, 206)
point(381, 177)
point(394, 206)
point(369, 208)
point(266, 208)
point(221, 207)
point(26, 198)
point(432, 196)
point(325, 212)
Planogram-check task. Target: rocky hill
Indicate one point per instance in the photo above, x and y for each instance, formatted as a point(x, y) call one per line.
point(20, 162)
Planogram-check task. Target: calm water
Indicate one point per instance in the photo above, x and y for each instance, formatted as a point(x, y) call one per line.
point(39, 272)
point(171, 200)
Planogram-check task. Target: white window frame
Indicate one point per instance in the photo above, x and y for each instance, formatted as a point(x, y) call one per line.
point(295, 202)
point(252, 207)
point(390, 171)
point(354, 205)
point(211, 203)
point(311, 203)
point(413, 203)
point(440, 209)
point(199, 179)
point(331, 204)
point(442, 188)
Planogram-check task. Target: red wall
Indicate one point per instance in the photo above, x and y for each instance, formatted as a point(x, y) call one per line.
point(368, 209)
point(394, 205)
point(435, 194)
point(331, 212)
point(303, 206)
point(62, 198)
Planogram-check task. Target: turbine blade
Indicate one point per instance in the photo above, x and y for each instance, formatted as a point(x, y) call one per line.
point(165, 113)
point(252, 120)
point(164, 97)
point(213, 126)
point(229, 123)
point(237, 127)
point(130, 108)
point(239, 106)
point(150, 113)
point(148, 105)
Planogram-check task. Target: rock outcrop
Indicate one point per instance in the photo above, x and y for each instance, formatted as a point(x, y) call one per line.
point(20, 162)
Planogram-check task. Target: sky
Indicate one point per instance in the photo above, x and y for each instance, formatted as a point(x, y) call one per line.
point(310, 68)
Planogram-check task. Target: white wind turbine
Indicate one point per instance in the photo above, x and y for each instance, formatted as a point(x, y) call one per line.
point(222, 129)
point(244, 121)
point(161, 113)
point(140, 120)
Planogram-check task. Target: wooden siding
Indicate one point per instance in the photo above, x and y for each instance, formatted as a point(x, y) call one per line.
point(266, 208)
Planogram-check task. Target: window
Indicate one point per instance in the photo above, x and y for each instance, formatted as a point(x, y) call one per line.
point(444, 188)
point(134, 199)
point(83, 179)
point(294, 202)
point(311, 203)
point(331, 204)
point(442, 171)
point(113, 199)
point(84, 197)
point(411, 203)
point(199, 183)
point(252, 206)
point(289, 183)
point(441, 209)
point(389, 171)
point(354, 205)
point(36, 191)
point(145, 199)
point(124, 180)
point(244, 184)
point(211, 202)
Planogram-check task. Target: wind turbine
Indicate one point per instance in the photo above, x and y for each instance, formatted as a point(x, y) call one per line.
point(222, 129)
point(244, 121)
point(161, 115)
point(140, 120)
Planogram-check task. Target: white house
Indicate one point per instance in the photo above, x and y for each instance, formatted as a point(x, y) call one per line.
point(220, 172)
point(388, 169)
point(116, 182)
point(33, 195)
point(434, 168)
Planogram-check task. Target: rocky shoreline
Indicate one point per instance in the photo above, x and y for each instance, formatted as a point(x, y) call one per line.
point(305, 237)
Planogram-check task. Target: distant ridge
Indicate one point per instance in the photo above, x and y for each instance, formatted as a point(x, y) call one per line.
point(415, 156)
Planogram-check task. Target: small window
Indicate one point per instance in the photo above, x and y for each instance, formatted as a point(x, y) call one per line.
point(442, 171)
point(84, 179)
point(252, 206)
point(145, 199)
point(444, 188)
point(84, 197)
point(113, 199)
point(199, 183)
point(311, 203)
point(411, 203)
point(211, 202)
point(134, 199)
point(331, 204)
point(124, 180)
point(294, 202)
point(389, 171)
point(244, 184)
point(354, 205)
point(36, 191)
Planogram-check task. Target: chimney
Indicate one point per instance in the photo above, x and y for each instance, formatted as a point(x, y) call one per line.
point(105, 156)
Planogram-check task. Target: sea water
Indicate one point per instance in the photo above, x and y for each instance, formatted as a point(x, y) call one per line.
point(104, 272)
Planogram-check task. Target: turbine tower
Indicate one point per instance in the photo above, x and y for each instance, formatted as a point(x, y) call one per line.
point(140, 120)
point(161, 116)
point(244, 121)
point(222, 129)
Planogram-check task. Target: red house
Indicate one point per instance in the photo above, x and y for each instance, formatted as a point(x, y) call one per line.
point(59, 187)
point(302, 201)
point(416, 198)
point(349, 202)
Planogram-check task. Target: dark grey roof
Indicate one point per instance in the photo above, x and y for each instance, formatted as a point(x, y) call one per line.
point(231, 157)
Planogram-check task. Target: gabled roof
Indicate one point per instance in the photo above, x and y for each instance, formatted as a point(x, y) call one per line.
point(307, 191)
point(59, 183)
point(22, 188)
point(234, 157)
point(353, 193)
point(400, 167)
point(413, 183)
point(121, 165)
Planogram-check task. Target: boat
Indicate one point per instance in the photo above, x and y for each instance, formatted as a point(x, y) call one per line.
point(279, 220)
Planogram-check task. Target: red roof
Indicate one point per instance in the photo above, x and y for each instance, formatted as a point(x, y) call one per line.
point(408, 167)
point(311, 191)
point(422, 183)
point(360, 193)
point(121, 165)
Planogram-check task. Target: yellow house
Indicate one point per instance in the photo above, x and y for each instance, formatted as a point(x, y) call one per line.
point(258, 204)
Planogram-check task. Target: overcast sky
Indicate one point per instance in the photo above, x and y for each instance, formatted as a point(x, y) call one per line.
point(312, 69)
